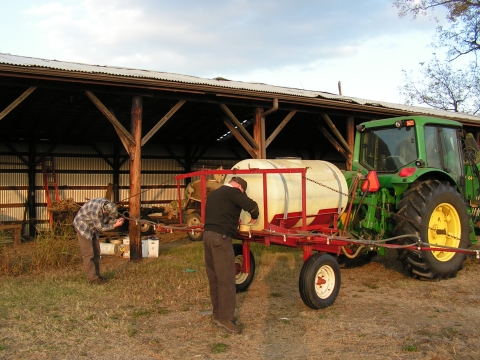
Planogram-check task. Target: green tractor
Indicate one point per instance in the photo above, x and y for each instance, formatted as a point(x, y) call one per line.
point(421, 181)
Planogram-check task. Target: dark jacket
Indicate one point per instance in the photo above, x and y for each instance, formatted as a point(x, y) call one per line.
point(223, 208)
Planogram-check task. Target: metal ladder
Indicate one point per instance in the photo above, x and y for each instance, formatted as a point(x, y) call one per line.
point(50, 183)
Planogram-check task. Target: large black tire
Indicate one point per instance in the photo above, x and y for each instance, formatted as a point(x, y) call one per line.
point(242, 280)
point(319, 281)
point(436, 212)
point(194, 219)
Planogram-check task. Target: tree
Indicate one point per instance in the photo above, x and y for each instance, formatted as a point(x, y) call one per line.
point(443, 88)
point(462, 37)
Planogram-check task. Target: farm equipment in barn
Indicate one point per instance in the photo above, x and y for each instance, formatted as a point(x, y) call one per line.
point(191, 207)
point(413, 187)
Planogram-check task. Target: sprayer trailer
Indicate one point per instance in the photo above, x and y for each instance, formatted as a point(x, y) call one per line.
point(414, 187)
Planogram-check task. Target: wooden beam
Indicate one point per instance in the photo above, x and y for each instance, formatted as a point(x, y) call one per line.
point(337, 133)
point(240, 138)
point(259, 133)
point(99, 152)
point(172, 154)
point(123, 140)
point(12, 149)
point(239, 126)
point(279, 128)
point(135, 180)
point(16, 102)
point(162, 121)
point(330, 138)
point(350, 140)
point(127, 139)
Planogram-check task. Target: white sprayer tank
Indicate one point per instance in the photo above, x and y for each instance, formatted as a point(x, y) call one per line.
point(285, 190)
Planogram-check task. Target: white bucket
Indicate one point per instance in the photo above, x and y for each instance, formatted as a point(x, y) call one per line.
point(144, 248)
point(126, 248)
point(153, 247)
point(108, 249)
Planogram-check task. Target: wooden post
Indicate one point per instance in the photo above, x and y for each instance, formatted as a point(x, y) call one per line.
point(116, 170)
point(350, 140)
point(259, 133)
point(135, 180)
point(31, 200)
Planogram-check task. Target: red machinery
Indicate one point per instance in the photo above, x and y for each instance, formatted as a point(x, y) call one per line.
point(319, 281)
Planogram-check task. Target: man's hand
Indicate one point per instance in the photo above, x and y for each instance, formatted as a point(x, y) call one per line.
point(253, 221)
point(118, 223)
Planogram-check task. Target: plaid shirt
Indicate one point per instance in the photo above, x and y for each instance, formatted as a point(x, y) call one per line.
point(90, 219)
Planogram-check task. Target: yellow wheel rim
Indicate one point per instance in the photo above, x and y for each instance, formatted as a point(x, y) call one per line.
point(444, 229)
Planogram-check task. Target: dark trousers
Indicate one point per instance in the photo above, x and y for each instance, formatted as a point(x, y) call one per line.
point(220, 266)
point(90, 250)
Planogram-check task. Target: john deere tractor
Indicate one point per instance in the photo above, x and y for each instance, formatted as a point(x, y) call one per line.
point(422, 180)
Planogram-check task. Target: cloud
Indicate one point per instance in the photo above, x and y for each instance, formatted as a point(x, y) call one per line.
point(195, 35)
point(282, 42)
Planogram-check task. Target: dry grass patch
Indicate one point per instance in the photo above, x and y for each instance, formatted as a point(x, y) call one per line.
point(156, 309)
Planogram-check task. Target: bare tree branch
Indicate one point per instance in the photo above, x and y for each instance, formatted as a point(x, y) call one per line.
point(443, 88)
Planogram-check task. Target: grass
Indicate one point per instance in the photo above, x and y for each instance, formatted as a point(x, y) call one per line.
point(50, 250)
point(410, 348)
point(153, 308)
point(45, 294)
point(219, 348)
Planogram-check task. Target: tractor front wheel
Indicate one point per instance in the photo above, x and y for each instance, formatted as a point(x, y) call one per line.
point(319, 281)
point(436, 212)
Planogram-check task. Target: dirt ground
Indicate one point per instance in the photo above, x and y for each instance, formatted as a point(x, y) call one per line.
point(380, 313)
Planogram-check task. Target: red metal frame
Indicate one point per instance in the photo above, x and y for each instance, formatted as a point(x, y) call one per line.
point(318, 236)
point(268, 237)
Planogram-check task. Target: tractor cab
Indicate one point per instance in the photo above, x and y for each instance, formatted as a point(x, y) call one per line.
point(389, 145)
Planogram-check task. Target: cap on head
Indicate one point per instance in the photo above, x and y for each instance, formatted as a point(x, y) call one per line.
point(240, 182)
point(111, 209)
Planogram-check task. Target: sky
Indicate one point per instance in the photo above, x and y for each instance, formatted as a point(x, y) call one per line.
point(302, 44)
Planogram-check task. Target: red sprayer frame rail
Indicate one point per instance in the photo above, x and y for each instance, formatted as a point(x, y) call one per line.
point(319, 238)
point(203, 186)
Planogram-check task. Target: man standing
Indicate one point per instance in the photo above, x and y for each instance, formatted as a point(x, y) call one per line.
point(222, 212)
point(94, 216)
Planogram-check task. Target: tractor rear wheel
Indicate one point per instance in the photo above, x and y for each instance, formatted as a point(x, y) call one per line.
point(319, 281)
point(436, 212)
point(242, 280)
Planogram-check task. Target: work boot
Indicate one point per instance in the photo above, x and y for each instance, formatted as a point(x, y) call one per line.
point(229, 326)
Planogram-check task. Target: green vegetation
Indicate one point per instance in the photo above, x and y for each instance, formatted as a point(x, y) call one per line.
point(219, 348)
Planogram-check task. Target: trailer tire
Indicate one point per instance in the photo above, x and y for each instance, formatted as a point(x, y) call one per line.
point(146, 228)
point(242, 280)
point(324, 267)
point(440, 206)
point(194, 219)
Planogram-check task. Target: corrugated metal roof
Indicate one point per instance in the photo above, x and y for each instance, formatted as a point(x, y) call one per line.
point(222, 83)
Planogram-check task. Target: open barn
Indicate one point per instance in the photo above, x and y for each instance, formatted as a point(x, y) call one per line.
point(125, 133)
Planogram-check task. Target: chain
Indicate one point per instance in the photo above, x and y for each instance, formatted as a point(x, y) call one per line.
point(395, 215)
point(141, 192)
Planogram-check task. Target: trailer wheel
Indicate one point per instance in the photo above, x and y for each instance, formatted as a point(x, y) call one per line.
point(194, 219)
point(319, 281)
point(146, 228)
point(242, 280)
point(436, 212)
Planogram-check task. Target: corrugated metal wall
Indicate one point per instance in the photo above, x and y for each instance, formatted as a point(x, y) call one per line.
point(13, 183)
point(83, 173)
